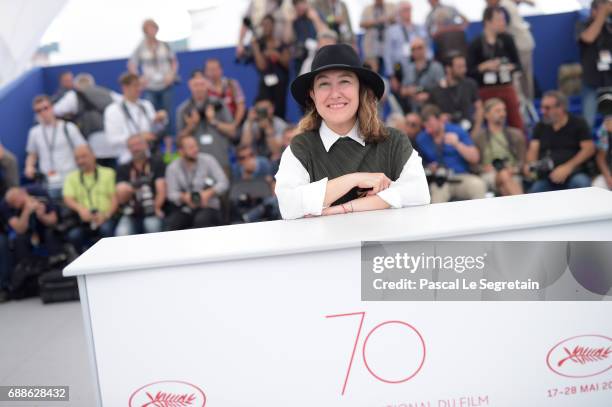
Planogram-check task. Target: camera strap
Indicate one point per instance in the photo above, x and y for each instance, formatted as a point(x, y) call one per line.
point(50, 143)
point(131, 123)
point(189, 176)
point(135, 174)
point(89, 189)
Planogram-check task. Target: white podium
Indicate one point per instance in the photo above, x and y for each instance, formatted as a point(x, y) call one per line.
point(270, 314)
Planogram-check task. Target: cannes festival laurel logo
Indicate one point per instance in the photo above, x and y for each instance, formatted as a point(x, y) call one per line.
point(581, 356)
point(168, 394)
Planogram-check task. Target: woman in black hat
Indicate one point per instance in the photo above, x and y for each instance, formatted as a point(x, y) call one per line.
point(345, 159)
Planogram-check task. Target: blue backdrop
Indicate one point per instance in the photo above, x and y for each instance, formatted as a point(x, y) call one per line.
point(555, 45)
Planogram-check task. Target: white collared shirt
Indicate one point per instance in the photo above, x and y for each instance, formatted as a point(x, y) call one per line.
point(119, 126)
point(298, 197)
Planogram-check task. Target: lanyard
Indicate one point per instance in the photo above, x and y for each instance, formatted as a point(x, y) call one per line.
point(135, 174)
point(50, 144)
point(89, 189)
point(189, 175)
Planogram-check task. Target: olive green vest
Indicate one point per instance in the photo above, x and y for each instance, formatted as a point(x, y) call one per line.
point(347, 156)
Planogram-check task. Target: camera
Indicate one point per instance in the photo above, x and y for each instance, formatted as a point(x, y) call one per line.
point(604, 101)
point(216, 104)
point(93, 226)
point(196, 198)
point(440, 176)
point(499, 163)
point(398, 72)
point(145, 198)
point(543, 166)
point(262, 113)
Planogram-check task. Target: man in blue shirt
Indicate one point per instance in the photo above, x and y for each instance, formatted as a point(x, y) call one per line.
point(448, 153)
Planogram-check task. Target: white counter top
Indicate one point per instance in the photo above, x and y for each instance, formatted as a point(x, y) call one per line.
point(326, 233)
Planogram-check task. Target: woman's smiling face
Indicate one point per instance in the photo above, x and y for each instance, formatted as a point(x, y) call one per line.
point(336, 97)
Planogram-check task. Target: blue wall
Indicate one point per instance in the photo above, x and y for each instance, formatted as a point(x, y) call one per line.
point(555, 45)
point(16, 115)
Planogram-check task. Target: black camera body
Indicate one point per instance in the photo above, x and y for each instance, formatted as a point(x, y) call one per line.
point(196, 198)
point(440, 176)
point(499, 163)
point(144, 196)
point(262, 113)
point(542, 167)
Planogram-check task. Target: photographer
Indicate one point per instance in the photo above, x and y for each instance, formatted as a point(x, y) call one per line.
point(502, 151)
point(141, 189)
point(302, 32)
point(32, 216)
point(208, 120)
point(50, 147)
point(399, 36)
point(560, 147)
point(85, 105)
point(158, 65)
point(263, 130)
point(375, 19)
point(595, 42)
point(272, 61)
point(604, 151)
point(493, 62)
point(195, 182)
point(419, 75)
point(251, 24)
point(262, 202)
point(457, 96)
point(226, 89)
point(130, 116)
point(90, 192)
point(448, 149)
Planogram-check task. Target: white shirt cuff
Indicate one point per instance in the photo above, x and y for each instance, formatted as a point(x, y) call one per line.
point(313, 196)
point(391, 196)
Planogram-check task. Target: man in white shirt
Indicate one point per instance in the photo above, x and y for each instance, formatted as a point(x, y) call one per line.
point(86, 102)
point(131, 116)
point(50, 146)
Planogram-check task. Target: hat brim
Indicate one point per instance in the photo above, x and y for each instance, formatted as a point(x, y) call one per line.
point(301, 85)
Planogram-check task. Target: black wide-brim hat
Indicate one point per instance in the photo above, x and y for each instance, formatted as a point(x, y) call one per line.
point(339, 56)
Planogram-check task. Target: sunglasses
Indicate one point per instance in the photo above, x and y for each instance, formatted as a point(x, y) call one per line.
point(418, 47)
point(548, 107)
point(412, 124)
point(244, 157)
point(42, 109)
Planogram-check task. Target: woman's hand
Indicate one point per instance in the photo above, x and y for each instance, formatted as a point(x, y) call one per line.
point(378, 181)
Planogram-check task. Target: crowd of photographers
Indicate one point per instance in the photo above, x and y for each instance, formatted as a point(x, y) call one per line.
point(100, 163)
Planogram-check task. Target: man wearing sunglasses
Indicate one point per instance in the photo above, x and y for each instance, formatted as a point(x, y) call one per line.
point(560, 147)
point(50, 146)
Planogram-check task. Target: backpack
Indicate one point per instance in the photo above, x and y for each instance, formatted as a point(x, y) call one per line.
point(90, 115)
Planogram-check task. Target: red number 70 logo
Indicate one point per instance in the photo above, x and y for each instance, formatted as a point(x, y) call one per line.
point(365, 344)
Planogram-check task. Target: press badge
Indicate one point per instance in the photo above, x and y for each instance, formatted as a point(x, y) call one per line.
point(489, 78)
point(271, 79)
point(310, 44)
point(206, 139)
point(406, 50)
point(605, 59)
point(53, 177)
